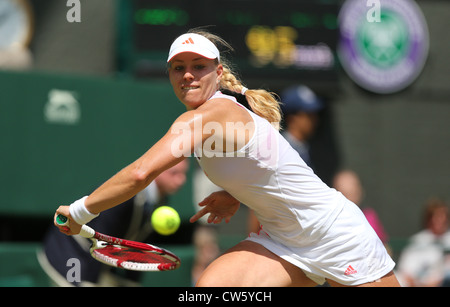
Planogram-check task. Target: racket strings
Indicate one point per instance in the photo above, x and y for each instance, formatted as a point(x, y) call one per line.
point(135, 259)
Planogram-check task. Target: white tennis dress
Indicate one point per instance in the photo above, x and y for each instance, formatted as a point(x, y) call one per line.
point(303, 220)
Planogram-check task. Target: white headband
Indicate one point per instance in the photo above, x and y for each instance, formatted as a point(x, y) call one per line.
point(195, 43)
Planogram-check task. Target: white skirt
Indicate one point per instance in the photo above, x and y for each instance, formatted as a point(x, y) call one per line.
point(349, 252)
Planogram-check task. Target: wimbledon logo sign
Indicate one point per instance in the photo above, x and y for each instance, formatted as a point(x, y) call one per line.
point(387, 55)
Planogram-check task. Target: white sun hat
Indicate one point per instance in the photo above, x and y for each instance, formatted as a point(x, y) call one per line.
point(195, 43)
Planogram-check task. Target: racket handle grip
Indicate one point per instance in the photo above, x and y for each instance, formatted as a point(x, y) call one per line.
point(85, 231)
point(62, 220)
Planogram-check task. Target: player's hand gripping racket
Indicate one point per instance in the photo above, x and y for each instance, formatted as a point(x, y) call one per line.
point(126, 254)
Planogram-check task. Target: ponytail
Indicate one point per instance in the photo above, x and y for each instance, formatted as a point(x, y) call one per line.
point(259, 101)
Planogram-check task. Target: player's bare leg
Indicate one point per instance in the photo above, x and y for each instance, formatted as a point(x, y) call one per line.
point(250, 264)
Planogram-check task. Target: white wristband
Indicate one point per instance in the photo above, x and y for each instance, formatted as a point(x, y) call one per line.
point(79, 213)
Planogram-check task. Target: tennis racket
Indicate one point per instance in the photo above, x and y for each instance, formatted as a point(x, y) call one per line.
point(126, 254)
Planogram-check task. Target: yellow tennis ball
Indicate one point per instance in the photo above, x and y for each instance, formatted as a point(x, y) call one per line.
point(165, 220)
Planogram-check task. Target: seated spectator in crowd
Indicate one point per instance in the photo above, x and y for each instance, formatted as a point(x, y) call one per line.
point(425, 262)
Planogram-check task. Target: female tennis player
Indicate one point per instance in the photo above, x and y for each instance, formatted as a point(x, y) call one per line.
point(310, 233)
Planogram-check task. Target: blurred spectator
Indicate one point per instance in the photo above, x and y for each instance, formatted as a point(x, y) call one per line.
point(131, 220)
point(205, 235)
point(300, 107)
point(425, 261)
point(207, 249)
point(349, 184)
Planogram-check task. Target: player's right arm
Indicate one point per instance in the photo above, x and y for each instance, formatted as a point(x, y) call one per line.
point(177, 144)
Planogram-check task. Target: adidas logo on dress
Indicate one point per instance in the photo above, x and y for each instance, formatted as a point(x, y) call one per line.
point(350, 270)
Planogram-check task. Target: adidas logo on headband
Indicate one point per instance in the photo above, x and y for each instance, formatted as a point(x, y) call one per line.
point(188, 41)
point(202, 46)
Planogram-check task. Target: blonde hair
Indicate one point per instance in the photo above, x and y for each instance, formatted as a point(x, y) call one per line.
point(261, 102)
